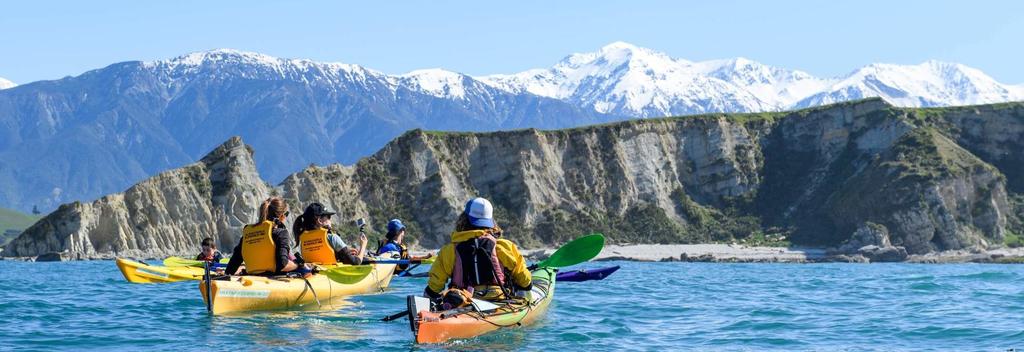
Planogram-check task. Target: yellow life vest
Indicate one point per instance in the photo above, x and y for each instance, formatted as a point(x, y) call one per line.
point(258, 248)
point(315, 248)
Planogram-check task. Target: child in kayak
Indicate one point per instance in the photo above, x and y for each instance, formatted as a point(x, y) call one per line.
point(317, 242)
point(264, 246)
point(478, 261)
point(393, 244)
point(209, 252)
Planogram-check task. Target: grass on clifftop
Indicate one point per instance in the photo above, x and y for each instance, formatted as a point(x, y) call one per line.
point(13, 219)
point(742, 118)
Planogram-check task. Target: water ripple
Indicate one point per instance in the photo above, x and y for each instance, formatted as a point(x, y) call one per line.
point(644, 306)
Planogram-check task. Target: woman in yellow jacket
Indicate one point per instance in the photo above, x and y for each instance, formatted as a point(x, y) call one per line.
point(478, 261)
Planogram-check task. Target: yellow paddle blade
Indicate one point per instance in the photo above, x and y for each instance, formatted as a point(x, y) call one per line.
point(348, 274)
point(179, 261)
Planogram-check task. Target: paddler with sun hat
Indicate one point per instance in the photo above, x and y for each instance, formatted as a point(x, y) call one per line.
point(478, 261)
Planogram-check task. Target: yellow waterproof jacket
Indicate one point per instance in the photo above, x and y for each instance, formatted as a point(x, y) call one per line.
point(508, 255)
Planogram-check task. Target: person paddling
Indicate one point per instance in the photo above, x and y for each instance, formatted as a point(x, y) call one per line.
point(317, 242)
point(479, 263)
point(393, 243)
point(209, 252)
point(264, 246)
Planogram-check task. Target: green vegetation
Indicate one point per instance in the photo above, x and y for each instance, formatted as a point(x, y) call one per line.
point(761, 239)
point(1013, 240)
point(642, 223)
point(1009, 260)
point(13, 219)
point(925, 154)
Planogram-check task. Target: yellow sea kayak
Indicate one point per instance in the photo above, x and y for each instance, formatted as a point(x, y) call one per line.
point(142, 273)
point(245, 293)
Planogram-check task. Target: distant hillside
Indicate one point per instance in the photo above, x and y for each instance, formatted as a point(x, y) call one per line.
point(103, 130)
point(861, 172)
point(12, 219)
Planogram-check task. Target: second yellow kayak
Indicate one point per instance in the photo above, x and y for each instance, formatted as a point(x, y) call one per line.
point(142, 273)
point(245, 293)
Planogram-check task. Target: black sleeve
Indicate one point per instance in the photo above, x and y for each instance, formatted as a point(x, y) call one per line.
point(236, 259)
point(433, 296)
point(343, 255)
point(281, 248)
point(199, 256)
point(217, 256)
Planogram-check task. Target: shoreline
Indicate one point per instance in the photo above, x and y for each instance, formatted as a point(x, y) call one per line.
point(733, 253)
point(698, 253)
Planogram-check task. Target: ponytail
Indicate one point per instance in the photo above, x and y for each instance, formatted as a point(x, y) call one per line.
point(299, 226)
point(265, 210)
point(272, 209)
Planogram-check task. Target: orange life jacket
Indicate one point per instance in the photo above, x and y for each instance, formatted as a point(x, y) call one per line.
point(315, 247)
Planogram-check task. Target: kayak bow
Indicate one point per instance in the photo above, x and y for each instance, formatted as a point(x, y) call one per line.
point(586, 274)
point(142, 273)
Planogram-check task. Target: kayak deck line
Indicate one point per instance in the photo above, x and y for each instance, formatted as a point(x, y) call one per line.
point(437, 327)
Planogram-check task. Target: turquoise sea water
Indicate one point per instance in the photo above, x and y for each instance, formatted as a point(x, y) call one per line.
point(644, 306)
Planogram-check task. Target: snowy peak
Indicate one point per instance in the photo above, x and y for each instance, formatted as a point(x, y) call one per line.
point(437, 82)
point(231, 62)
point(623, 79)
point(618, 54)
point(931, 83)
point(4, 83)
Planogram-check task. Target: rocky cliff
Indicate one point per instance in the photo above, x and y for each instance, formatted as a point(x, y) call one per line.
point(920, 180)
point(166, 214)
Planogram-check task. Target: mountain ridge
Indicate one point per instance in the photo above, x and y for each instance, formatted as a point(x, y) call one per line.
point(107, 128)
point(921, 180)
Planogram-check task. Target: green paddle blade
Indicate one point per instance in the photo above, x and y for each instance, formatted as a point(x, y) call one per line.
point(577, 251)
point(348, 274)
point(178, 261)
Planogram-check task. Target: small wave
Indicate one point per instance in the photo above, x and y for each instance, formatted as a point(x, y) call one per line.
point(986, 276)
point(925, 286)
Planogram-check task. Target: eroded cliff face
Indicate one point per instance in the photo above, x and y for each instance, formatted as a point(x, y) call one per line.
point(929, 179)
point(166, 214)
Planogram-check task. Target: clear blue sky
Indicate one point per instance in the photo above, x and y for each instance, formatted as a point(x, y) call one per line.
point(42, 39)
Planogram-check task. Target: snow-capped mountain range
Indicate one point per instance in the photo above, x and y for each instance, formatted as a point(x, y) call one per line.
point(624, 79)
point(108, 128)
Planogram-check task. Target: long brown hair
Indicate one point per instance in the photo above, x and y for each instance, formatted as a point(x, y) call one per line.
point(272, 209)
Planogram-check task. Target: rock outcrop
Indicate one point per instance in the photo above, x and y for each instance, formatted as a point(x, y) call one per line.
point(896, 181)
point(166, 214)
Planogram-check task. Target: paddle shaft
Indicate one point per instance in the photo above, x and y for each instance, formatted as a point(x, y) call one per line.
point(209, 293)
point(396, 315)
